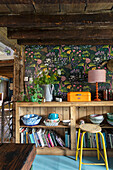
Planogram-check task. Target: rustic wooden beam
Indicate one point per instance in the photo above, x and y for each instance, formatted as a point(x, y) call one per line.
point(6, 61)
point(15, 1)
point(6, 64)
point(65, 42)
point(11, 43)
point(53, 2)
point(60, 34)
point(54, 20)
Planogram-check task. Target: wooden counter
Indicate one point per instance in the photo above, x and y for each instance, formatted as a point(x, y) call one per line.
point(16, 156)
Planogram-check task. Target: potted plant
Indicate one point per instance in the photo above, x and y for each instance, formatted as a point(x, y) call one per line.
point(46, 79)
point(33, 94)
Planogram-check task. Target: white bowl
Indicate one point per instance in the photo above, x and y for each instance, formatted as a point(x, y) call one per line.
point(66, 122)
point(96, 117)
point(96, 121)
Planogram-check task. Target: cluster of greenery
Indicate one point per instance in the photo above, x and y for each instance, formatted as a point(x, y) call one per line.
point(46, 78)
point(33, 94)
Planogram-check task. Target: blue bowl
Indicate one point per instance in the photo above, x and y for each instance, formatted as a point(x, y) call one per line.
point(53, 116)
point(31, 119)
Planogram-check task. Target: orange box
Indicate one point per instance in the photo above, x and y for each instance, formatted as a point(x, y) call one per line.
point(78, 96)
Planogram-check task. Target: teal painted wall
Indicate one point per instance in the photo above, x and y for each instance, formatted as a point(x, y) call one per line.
point(73, 62)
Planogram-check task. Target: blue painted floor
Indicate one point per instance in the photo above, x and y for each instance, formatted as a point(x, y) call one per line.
point(50, 162)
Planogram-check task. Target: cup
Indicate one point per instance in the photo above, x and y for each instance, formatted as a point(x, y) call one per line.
point(53, 116)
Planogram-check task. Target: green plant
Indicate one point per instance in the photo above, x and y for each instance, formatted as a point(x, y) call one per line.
point(46, 78)
point(33, 94)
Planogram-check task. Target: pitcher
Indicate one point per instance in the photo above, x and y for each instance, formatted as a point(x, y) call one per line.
point(48, 92)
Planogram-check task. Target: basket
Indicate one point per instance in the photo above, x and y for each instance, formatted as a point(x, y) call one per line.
point(51, 123)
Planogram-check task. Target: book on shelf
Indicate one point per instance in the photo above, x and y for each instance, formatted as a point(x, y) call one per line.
point(31, 138)
point(59, 140)
point(41, 137)
point(47, 140)
point(67, 138)
point(89, 140)
point(53, 138)
point(50, 139)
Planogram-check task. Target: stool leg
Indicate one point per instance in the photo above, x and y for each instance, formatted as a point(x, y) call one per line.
point(104, 148)
point(98, 155)
point(81, 148)
point(78, 139)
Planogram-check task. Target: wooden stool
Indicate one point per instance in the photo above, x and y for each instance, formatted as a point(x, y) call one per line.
point(91, 128)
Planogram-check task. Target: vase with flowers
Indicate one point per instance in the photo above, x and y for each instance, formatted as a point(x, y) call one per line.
point(47, 80)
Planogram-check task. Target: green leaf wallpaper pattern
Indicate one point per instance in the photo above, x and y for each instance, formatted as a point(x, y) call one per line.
point(72, 64)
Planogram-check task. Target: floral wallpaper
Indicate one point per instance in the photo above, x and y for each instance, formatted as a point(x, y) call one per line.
point(72, 64)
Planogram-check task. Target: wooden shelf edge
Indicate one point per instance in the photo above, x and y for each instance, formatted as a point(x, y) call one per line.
point(44, 126)
point(67, 152)
point(55, 151)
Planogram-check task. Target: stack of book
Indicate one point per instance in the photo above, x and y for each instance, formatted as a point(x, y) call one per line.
point(41, 137)
point(89, 140)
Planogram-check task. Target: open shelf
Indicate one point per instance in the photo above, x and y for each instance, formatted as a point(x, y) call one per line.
point(42, 125)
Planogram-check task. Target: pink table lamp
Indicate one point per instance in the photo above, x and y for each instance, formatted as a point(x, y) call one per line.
point(95, 76)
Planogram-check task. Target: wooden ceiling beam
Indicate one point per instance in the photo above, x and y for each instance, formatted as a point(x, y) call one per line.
point(60, 34)
point(54, 20)
point(53, 1)
point(65, 42)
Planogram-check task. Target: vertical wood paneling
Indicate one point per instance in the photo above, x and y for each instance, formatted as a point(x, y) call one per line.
point(72, 127)
point(44, 111)
point(22, 111)
point(106, 109)
point(59, 111)
point(82, 113)
point(76, 114)
point(98, 110)
point(51, 110)
point(37, 110)
point(17, 125)
point(111, 109)
point(89, 110)
point(29, 110)
point(65, 113)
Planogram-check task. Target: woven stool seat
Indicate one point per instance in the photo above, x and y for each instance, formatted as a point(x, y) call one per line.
point(91, 128)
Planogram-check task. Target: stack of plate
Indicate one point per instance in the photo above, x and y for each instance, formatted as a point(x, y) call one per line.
point(96, 119)
point(110, 118)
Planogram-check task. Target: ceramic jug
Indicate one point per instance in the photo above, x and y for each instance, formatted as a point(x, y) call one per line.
point(48, 92)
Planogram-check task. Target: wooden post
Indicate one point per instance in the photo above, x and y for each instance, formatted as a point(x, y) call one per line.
point(73, 127)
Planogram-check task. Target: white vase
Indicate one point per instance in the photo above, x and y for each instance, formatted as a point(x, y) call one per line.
point(48, 92)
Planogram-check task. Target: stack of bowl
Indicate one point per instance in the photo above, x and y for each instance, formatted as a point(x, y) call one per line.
point(110, 118)
point(53, 120)
point(96, 118)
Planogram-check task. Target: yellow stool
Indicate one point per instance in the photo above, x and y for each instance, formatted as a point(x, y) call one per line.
point(91, 128)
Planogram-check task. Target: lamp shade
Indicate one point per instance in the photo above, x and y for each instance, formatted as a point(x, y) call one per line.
point(97, 76)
